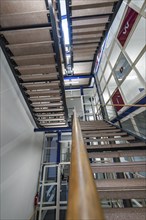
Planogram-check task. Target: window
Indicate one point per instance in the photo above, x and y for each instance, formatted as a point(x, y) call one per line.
point(107, 72)
point(114, 55)
point(137, 41)
point(131, 86)
point(112, 85)
point(141, 66)
point(106, 95)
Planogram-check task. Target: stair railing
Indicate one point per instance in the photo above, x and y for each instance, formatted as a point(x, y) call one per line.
point(83, 199)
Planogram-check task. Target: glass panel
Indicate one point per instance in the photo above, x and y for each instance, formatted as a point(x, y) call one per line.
point(109, 42)
point(116, 23)
point(99, 74)
point(128, 125)
point(106, 95)
point(64, 191)
point(103, 61)
point(110, 110)
point(62, 214)
point(141, 66)
point(140, 120)
point(122, 67)
point(114, 55)
point(131, 86)
point(50, 194)
point(107, 72)
point(138, 3)
point(137, 41)
point(50, 174)
point(74, 103)
point(112, 85)
point(65, 151)
point(48, 214)
point(102, 84)
point(50, 155)
point(70, 93)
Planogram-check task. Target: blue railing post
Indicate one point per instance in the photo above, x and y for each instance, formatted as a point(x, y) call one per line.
point(58, 146)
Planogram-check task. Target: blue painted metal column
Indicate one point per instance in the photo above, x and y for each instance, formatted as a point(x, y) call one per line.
point(58, 146)
point(101, 100)
point(82, 94)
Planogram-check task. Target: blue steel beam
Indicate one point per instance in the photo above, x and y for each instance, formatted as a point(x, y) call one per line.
point(84, 87)
point(58, 146)
point(53, 130)
point(78, 77)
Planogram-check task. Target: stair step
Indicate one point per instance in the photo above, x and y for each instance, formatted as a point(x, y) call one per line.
point(44, 93)
point(105, 134)
point(118, 167)
point(121, 184)
point(95, 129)
point(131, 153)
point(49, 110)
point(45, 99)
point(122, 194)
point(114, 147)
point(128, 138)
point(125, 213)
point(36, 86)
point(99, 132)
point(36, 77)
point(55, 104)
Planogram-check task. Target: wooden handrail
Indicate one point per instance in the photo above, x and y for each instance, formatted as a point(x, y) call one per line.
point(83, 199)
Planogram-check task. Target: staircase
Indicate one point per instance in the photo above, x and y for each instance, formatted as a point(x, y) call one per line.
point(30, 40)
point(118, 163)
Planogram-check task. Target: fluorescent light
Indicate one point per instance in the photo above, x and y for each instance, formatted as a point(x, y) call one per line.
point(65, 30)
point(72, 82)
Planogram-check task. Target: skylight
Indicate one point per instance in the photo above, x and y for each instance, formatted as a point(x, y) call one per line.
point(64, 21)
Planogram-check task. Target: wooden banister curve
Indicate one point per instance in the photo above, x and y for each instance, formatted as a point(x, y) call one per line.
point(83, 200)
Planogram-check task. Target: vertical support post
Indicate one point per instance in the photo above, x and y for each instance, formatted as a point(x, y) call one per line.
point(120, 125)
point(42, 193)
point(58, 193)
point(84, 109)
point(103, 108)
point(58, 146)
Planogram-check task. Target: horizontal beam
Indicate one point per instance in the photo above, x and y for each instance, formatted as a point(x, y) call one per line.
point(78, 77)
point(25, 27)
point(90, 17)
point(53, 130)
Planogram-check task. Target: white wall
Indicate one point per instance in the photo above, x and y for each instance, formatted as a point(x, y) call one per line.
point(20, 151)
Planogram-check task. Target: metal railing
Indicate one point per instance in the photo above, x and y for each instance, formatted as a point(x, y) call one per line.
point(83, 200)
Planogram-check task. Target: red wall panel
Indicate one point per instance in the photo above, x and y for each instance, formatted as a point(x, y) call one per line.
point(117, 99)
point(127, 25)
